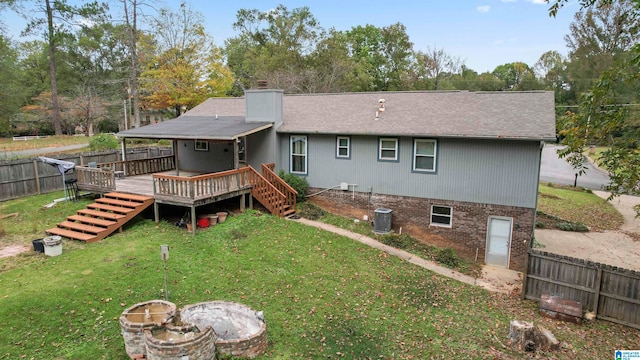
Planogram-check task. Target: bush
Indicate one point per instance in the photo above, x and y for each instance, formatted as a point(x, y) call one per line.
point(539, 225)
point(298, 183)
point(103, 142)
point(569, 226)
point(397, 241)
point(447, 257)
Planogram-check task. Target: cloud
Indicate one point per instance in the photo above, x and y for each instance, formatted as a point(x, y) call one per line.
point(483, 8)
point(538, 2)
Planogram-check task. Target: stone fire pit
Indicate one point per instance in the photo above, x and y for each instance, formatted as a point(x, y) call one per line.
point(180, 342)
point(241, 331)
point(140, 317)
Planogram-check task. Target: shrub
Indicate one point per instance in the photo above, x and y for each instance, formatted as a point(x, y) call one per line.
point(539, 224)
point(447, 257)
point(298, 183)
point(397, 241)
point(569, 226)
point(103, 142)
point(310, 211)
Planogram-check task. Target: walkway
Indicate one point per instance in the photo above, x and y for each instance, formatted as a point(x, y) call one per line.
point(613, 247)
point(493, 279)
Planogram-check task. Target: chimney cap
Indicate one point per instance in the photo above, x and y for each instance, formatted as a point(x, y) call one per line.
point(262, 84)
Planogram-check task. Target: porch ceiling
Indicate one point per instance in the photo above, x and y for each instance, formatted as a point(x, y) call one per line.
point(198, 128)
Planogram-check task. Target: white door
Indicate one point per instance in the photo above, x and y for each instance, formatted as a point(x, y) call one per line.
point(498, 241)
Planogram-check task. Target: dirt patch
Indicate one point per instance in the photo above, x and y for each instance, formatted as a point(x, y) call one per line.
point(412, 230)
point(13, 250)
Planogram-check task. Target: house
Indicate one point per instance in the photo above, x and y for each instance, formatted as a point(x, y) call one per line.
point(462, 165)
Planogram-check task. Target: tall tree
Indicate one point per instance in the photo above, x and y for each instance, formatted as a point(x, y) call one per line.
point(11, 91)
point(601, 115)
point(600, 36)
point(188, 67)
point(432, 65)
point(517, 76)
point(57, 17)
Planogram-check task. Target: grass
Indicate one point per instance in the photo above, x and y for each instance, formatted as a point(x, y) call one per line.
point(578, 206)
point(8, 144)
point(324, 296)
point(444, 256)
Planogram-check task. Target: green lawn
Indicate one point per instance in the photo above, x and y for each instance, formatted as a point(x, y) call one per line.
point(324, 296)
point(578, 206)
point(8, 144)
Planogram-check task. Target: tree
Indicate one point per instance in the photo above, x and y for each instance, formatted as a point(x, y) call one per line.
point(516, 76)
point(58, 17)
point(432, 66)
point(188, 67)
point(275, 45)
point(601, 116)
point(600, 37)
point(11, 91)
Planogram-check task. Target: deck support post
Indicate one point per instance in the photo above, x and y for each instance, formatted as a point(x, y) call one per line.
point(156, 212)
point(193, 220)
point(243, 201)
point(250, 201)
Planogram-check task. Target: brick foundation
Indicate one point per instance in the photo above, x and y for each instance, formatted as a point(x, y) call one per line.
point(469, 223)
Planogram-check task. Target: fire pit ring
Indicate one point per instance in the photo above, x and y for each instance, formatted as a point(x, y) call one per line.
point(241, 331)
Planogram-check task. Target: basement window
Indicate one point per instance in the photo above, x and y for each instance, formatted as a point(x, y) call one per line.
point(441, 215)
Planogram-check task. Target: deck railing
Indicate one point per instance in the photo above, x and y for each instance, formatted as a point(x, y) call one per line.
point(95, 179)
point(290, 193)
point(200, 186)
point(142, 166)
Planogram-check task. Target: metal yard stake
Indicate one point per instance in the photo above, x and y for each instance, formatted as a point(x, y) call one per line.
point(164, 254)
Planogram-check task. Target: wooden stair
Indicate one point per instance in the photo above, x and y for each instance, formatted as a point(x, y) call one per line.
point(103, 217)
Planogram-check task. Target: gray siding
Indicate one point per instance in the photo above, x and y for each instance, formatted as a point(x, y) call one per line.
point(261, 148)
point(481, 171)
point(218, 158)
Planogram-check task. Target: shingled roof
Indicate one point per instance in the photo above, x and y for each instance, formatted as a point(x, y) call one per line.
point(507, 115)
point(526, 115)
point(190, 126)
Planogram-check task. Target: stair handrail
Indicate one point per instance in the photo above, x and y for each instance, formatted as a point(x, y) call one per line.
point(276, 198)
point(290, 193)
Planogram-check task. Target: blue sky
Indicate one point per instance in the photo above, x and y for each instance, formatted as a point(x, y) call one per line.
point(482, 33)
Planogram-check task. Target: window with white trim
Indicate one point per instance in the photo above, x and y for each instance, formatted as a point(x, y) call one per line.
point(298, 154)
point(388, 149)
point(343, 147)
point(441, 215)
point(424, 155)
point(201, 145)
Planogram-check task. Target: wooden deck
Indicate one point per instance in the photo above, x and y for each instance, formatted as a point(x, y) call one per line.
point(140, 184)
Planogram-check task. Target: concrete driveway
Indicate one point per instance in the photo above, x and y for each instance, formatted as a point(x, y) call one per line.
point(612, 247)
point(558, 171)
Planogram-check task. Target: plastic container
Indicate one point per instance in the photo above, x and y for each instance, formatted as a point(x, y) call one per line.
point(203, 222)
point(38, 245)
point(52, 245)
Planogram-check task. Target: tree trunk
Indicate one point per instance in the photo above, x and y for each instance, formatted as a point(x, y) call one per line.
point(52, 70)
point(133, 49)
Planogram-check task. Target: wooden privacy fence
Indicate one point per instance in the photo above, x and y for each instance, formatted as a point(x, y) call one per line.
point(26, 177)
point(612, 293)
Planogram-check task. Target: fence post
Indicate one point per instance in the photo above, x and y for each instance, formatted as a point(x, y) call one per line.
point(35, 171)
point(597, 293)
point(525, 275)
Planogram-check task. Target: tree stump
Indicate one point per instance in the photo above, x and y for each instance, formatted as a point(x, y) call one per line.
point(527, 337)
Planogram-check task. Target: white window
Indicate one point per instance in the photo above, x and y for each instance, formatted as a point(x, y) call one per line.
point(343, 147)
point(201, 146)
point(441, 215)
point(424, 155)
point(388, 149)
point(298, 152)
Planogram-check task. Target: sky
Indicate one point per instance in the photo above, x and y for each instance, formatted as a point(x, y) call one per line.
point(481, 33)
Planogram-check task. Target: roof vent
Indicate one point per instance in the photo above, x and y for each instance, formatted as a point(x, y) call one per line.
point(262, 84)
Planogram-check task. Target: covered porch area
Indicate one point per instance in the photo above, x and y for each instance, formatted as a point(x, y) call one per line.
point(210, 163)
